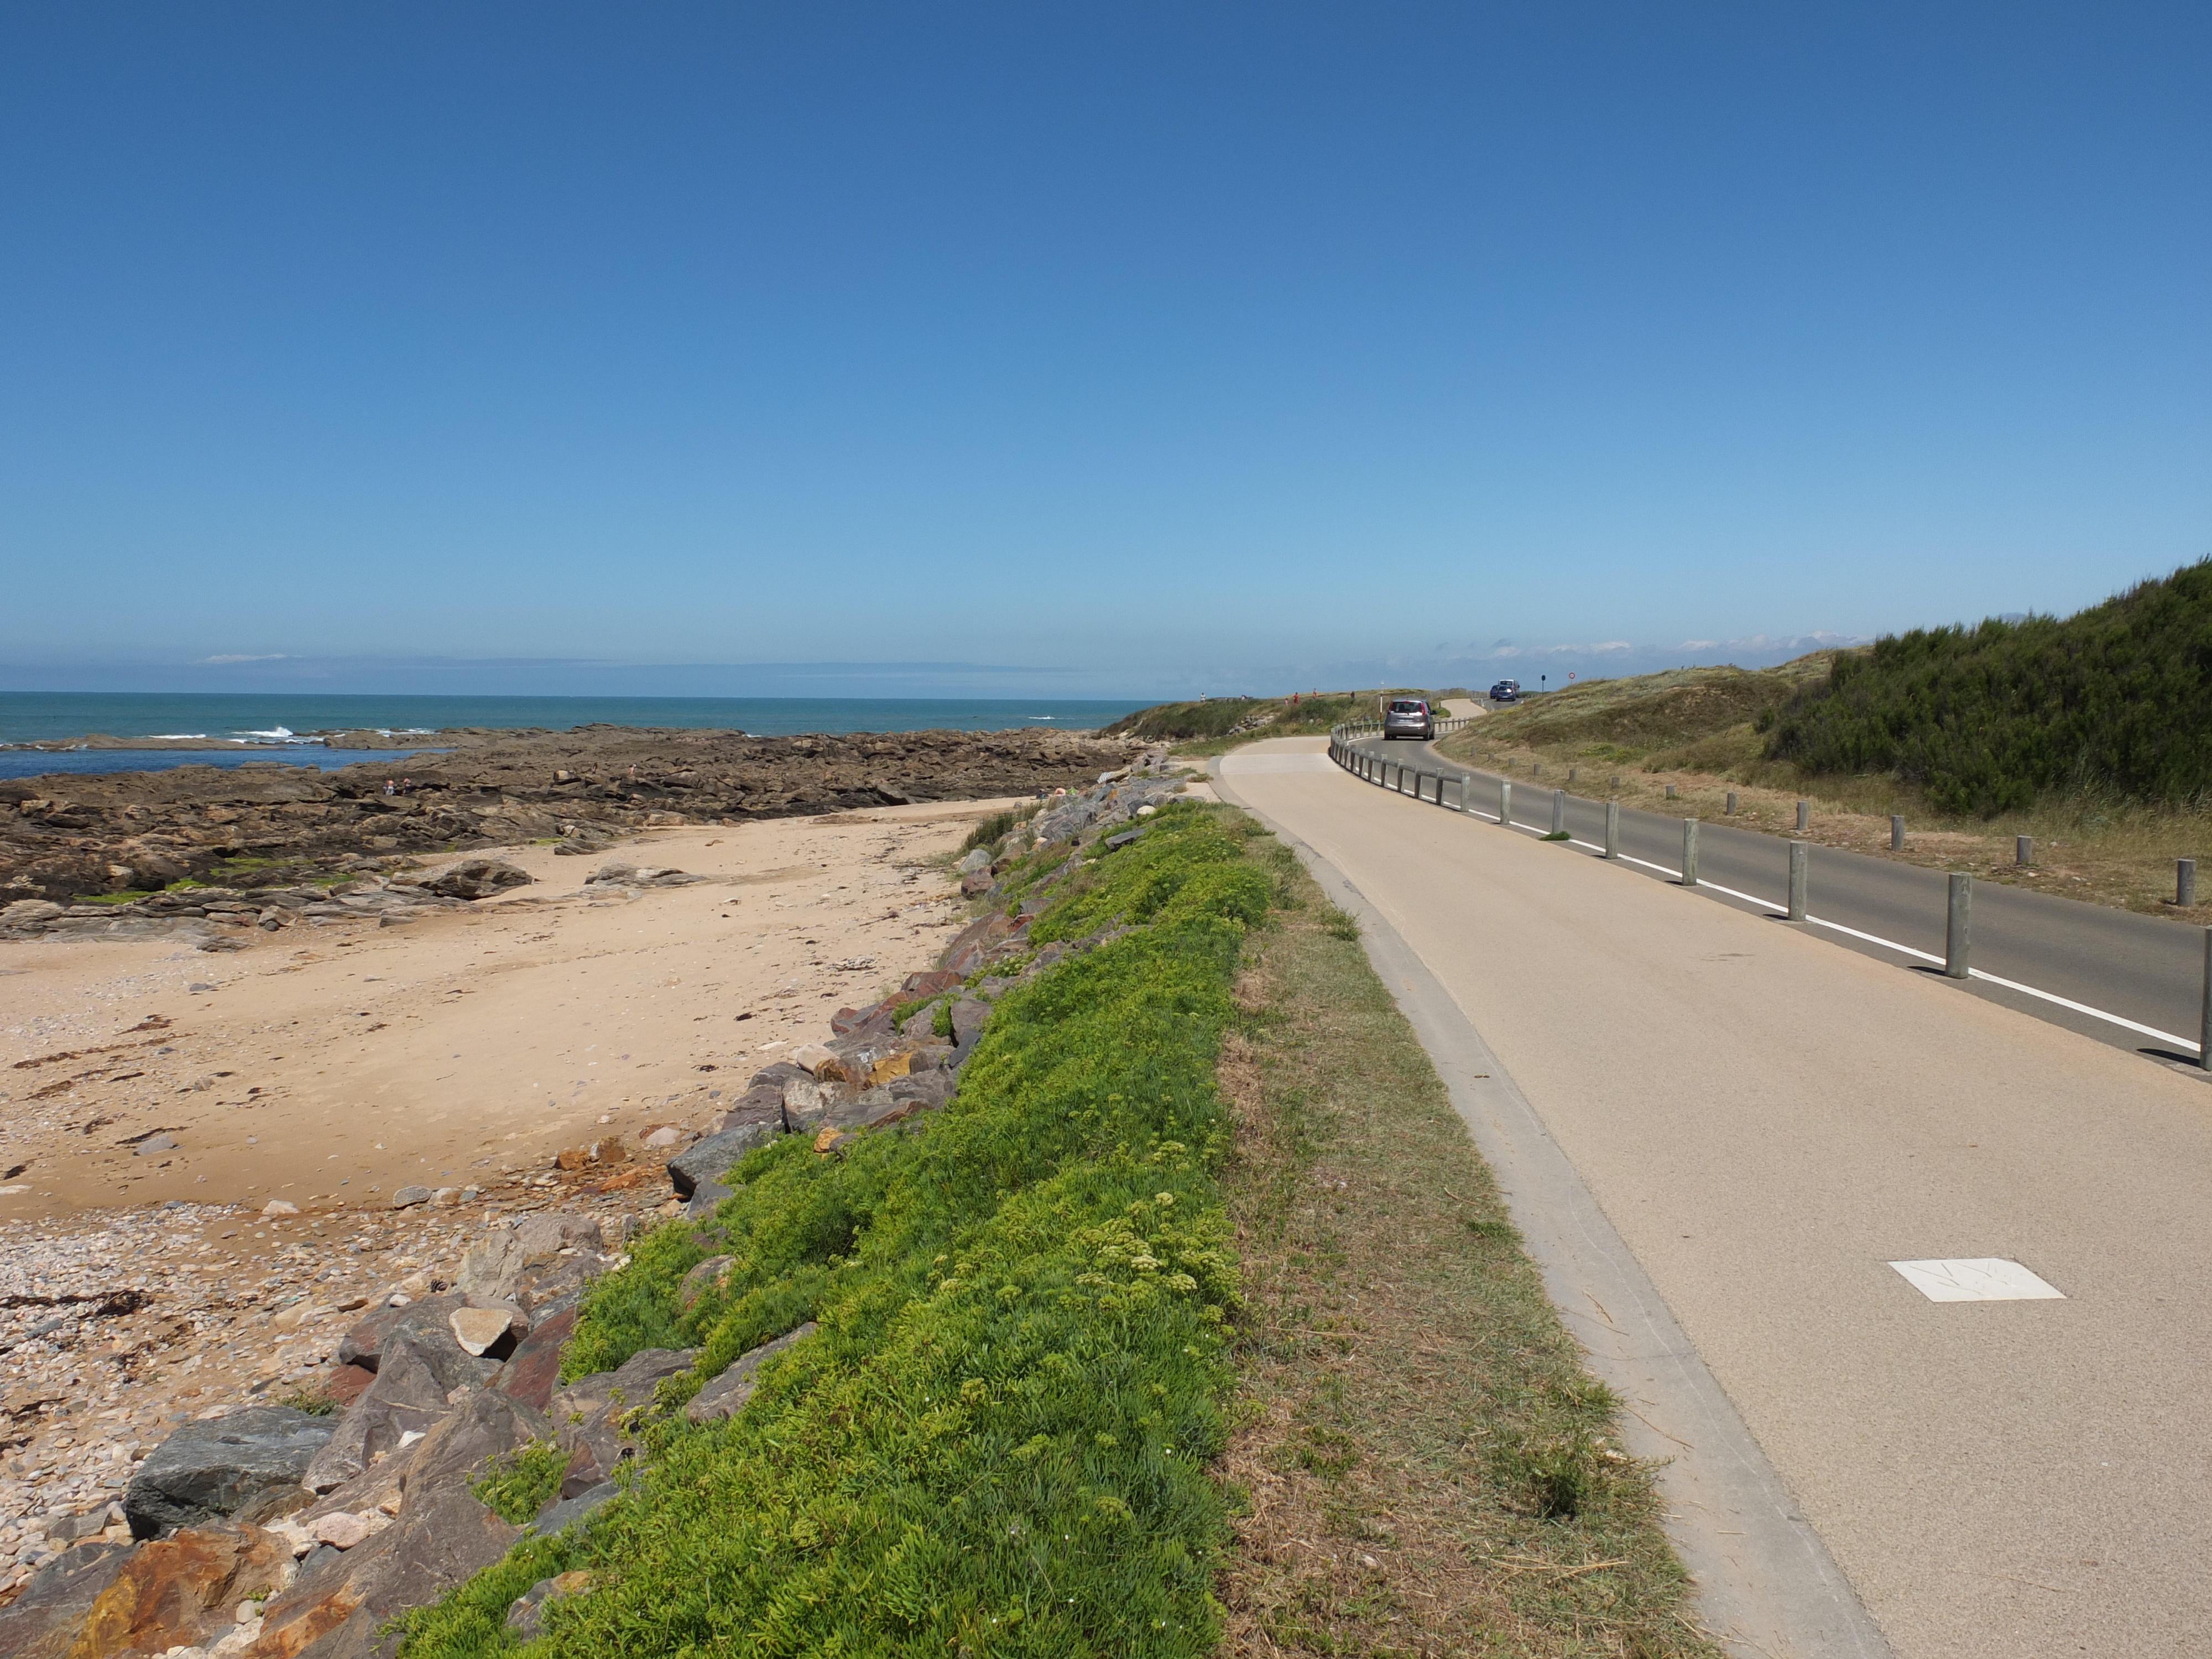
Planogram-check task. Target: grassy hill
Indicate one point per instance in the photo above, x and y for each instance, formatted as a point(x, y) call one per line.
point(1220, 719)
point(1706, 718)
point(2116, 700)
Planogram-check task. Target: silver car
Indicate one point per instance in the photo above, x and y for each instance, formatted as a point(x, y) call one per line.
point(1408, 717)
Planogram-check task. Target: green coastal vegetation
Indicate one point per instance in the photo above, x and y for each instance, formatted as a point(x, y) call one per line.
point(1022, 1423)
point(2116, 700)
point(998, 1439)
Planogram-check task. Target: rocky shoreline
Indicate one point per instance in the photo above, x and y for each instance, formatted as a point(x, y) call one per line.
point(212, 1454)
point(66, 837)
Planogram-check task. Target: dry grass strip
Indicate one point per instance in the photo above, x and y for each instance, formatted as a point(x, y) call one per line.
point(1427, 1467)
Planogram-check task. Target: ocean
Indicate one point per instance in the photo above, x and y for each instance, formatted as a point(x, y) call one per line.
point(283, 725)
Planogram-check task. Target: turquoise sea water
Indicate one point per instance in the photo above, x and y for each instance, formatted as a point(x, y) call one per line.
point(283, 717)
point(245, 730)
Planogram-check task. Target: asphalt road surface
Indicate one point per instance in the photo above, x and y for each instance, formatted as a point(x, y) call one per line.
point(2143, 974)
point(1767, 1125)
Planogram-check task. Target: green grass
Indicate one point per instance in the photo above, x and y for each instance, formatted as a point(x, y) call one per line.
point(2116, 700)
point(130, 897)
point(998, 1439)
point(522, 1482)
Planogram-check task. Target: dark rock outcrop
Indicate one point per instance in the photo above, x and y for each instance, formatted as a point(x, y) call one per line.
point(227, 1466)
point(265, 827)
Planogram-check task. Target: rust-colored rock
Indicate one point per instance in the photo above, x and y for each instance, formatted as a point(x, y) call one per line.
point(533, 1370)
point(181, 1590)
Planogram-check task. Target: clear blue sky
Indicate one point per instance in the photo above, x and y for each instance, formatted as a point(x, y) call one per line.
point(1129, 348)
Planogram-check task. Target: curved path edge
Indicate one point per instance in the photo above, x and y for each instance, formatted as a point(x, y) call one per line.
point(1766, 1585)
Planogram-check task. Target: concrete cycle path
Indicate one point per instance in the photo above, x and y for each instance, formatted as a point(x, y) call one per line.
point(1768, 1123)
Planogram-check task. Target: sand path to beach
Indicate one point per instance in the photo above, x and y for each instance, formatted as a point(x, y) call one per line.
point(329, 1066)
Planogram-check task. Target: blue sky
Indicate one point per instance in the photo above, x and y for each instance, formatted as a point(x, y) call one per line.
point(1097, 350)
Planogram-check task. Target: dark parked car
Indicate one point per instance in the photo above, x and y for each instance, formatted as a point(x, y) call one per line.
point(1408, 717)
point(1505, 691)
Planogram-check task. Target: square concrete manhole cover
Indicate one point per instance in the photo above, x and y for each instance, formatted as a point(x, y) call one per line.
point(1976, 1278)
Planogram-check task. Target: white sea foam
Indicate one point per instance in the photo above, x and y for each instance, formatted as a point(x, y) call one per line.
point(176, 736)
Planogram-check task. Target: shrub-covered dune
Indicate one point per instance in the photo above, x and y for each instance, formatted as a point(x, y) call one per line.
point(2115, 699)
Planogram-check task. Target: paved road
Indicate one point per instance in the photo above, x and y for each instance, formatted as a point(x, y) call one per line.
point(1768, 1122)
point(2146, 970)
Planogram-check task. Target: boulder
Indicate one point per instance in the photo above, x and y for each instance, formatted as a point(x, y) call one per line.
point(523, 1265)
point(181, 1590)
point(971, 945)
point(408, 1197)
point(695, 1283)
point(341, 1600)
point(978, 859)
point(340, 1529)
point(477, 879)
point(821, 1063)
point(777, 1075)
point(847, 1021)
point(526, 1619)
point(935, 983)
point(923, 1091)
point(588, 1414)
point(426, 1325)
point(408, 1399)
point(725, 1394)
point(713, 1158)
point(563, 1511)
point(763, 1104)
point(532, 1371)
point(705, 1197)
point(969, 1018)
point(489, 1332)
point(44, 1619)
point(806, 1104)
point(224, 1467)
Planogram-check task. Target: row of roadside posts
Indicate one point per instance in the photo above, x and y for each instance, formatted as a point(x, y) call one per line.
point(1958, 927)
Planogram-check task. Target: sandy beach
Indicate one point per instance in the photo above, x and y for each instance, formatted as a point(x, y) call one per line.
point(328, 1066)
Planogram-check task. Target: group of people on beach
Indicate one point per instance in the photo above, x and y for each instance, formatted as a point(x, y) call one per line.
point(399, 787)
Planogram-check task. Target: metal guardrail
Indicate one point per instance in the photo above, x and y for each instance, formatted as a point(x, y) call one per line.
point(1429, 786)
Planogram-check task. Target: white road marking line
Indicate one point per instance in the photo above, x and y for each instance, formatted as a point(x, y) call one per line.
point(2109, 1017)
point(1976, 1278)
